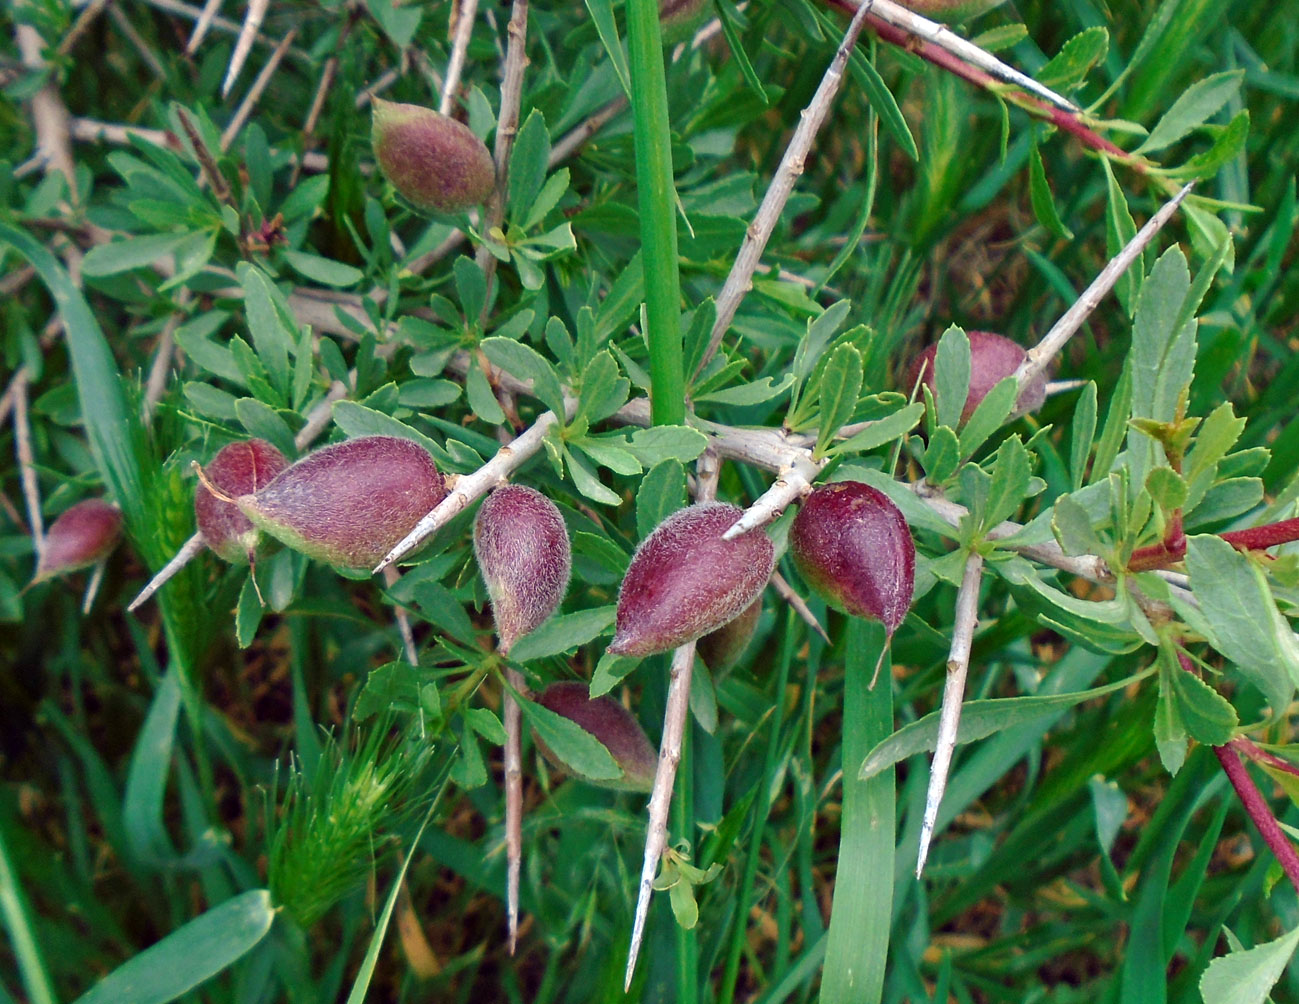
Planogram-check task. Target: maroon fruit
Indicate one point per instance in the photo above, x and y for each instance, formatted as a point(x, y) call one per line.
point(853, 546)
point(992, 359)
point(610, 723)
point(522, 548)
point(720, 649)
point(83, 535)
point(348, 504)
point(237, 469)
point(685, 581)
point(435, 162)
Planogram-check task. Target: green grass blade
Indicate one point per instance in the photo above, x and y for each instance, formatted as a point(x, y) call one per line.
point(658, 221)
point(146, 782)
point(189, 956)
point(16, 917)
point(860, 917)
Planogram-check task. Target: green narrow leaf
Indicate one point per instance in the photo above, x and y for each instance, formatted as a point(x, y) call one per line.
point(528, 164)
point(607, 28)
point(881, 99)
point(662, 492)
point(146, 780)
point(883, 430)
point(979, 719)
point(951, 376)
point(187, 957)
point(840, 389)
point(1247, 977)
point(16, 917)
point(1192, 109)
point(1120, 228)
point(269, 325)
point(1039, 192)
point(727, 15)
point(989, 415)
point(1084, 432)
point(527, 363)
point(563, 634)
point(1075, 59)
point(1207, 716)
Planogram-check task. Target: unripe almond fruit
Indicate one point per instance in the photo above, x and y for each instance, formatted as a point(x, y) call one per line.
point(610, 723)
point(722, 648)
point(435, 162)
point(992, 359)
point(853, 546)
point(685, 581)
point(83, 535)
point(237, 469)
point(348, 504)
point(522, 548)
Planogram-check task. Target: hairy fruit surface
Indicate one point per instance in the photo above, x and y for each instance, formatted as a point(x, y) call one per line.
point(853, 546)
point(522, 548)
point(609, 722)
point(992, 358)
point(350, 503)
point(685, 581)
point(83, 535)
point(435, 162)
point(237, 469)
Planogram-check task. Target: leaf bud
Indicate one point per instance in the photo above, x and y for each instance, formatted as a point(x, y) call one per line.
point(685, 581)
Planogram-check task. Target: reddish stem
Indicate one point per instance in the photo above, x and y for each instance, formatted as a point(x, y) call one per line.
point(1169, 551)
point(1251, 798)
point(1248, 748)
point(1268, 535)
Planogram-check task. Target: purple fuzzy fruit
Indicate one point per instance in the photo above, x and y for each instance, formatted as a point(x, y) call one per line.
point(685, 581)
point(348, 504)
point(435, 162)
point(237, 469)
point(992, 359)
point(82, 536)
point(522, 548)
point(722, 648)
point(853, 546)
point(610, 723)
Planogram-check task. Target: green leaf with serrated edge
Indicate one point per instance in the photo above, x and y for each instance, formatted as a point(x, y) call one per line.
point(1227, 146)
point(1167, 488)
point(269, 323)
point(1067, 69)
point(248, 614)
point(1192, 109)
point(989, 416)
point(1170, 733)
point(486, 724)
point(482, 401)
point(951, 376)
point(1039, 191)
point(1120, 228)
point(817, 336)
point(190, 955)
point(527, 364)
point(563, 634)
point(571, 743)
point(942, 455)
point(667, 442)
point(662, 492)
point(609, 672)
point(882, 430)
point(1247, 976)
point(766, 389)
point(551, 192)
point(1236, 601)
point(608, 453)
point(1084, 431)
point(604, 389)
point(587, 483)
point(358, 420)
point(528, 164)
point(1206, 715)
point(882, 100)
point(392, 685)
point(1073, 527)
point(840, 388)
point(1002, 37)
point(979, 719)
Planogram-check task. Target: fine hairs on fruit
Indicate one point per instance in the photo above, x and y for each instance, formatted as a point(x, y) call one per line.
point(992, 358)
point(238, 469)
point(83, 535)
point(609, 722)
point(434, 162)
point(347, 504)
point(685, 581)
point(853, 546)
point(522, 548)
